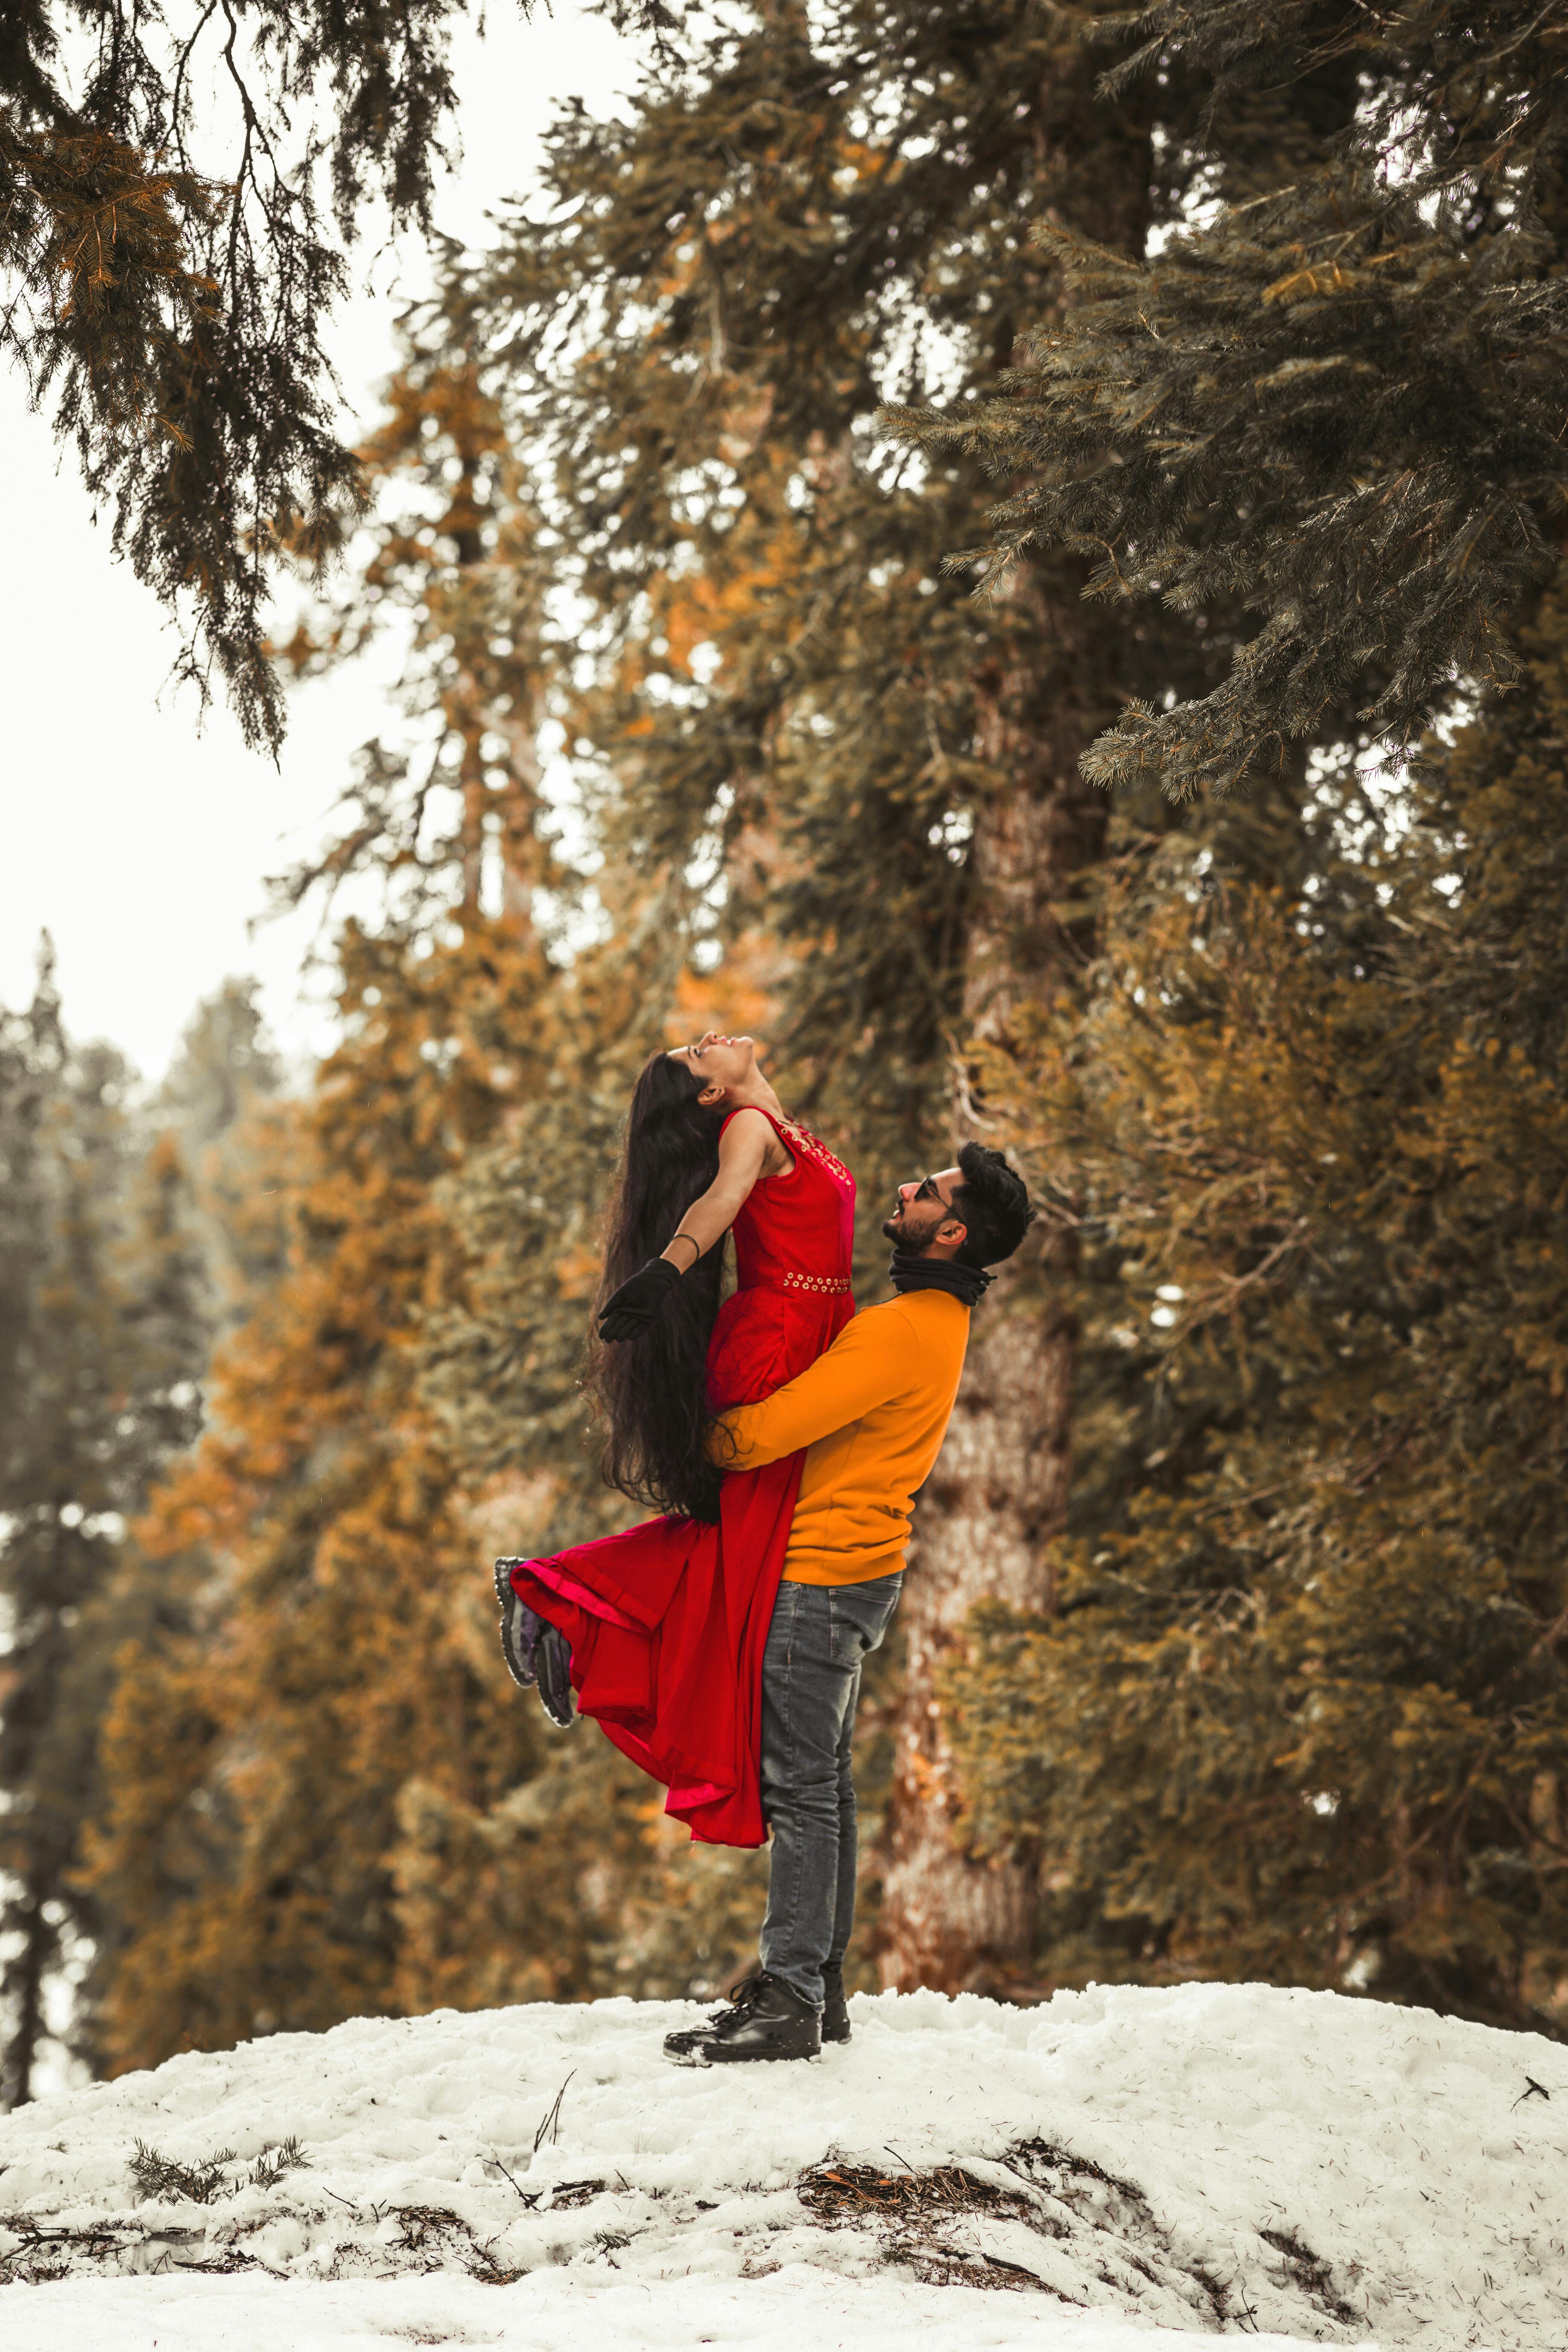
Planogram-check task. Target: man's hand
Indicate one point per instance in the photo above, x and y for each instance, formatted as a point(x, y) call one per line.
point(637, 1304)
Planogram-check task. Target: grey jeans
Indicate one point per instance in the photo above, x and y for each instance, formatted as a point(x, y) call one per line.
point(818, 1638)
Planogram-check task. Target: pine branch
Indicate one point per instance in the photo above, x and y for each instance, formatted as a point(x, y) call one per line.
point(1331, 406)
point(172, 314)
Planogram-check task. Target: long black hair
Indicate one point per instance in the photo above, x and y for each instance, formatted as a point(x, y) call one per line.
point(650, 1390)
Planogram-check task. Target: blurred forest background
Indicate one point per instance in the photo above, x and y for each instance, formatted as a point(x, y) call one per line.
point(1212, 862)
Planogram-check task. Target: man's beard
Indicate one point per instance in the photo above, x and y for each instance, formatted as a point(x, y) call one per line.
point(912, 1244)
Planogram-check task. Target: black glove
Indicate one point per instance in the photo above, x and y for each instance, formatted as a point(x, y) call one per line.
point(637, 1304)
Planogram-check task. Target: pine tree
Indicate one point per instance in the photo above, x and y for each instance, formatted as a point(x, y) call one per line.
point(1333, 394)
point(203, 1226)
point(244, 1781)
point(1301, 1711)
point(791, 701)
point(67, 1473)
point(323, 1796)
point(172, 300)
point(221, 1109)
point(111, 1302)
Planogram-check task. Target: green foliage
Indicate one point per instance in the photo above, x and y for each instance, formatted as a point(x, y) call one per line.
point(1332, 394)
point(779, 686)
point(1457, 93)
point(846, 806)
point(252, 1761)
point(1301, 1712)
point(68, 1470)
point(323, 1796)
point(110, 1274)
point(300, 1824)
point(453, 563)
point(829, 800)
point(174, 311)
point(831, 807)
point(208, 2180)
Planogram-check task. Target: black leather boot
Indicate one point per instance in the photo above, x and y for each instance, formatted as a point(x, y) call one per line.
point(835, 2008)
point(554, 1656)
point(538, 1654)
point(519, 1629)
point(766, 2019)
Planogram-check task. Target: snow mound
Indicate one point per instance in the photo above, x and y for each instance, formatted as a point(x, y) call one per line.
point(1210, 2159)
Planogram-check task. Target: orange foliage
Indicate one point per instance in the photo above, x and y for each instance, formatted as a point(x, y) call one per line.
point(257, 1772)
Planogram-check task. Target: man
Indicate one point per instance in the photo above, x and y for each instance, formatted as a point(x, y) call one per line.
point(870, 1414)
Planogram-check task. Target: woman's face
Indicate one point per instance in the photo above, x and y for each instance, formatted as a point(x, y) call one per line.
point(719, 1060)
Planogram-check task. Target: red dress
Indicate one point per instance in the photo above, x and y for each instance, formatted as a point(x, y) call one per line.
point(668, 1621)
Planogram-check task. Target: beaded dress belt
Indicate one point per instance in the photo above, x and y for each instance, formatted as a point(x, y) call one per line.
point(834, 1284)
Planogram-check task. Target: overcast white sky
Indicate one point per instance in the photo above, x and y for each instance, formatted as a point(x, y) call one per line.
point(139, 841)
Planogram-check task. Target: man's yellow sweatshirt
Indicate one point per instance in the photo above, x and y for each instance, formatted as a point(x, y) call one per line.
point(871, 1413)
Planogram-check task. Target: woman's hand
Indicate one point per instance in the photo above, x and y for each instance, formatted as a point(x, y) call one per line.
point(637, 1304)
point(748, 1149)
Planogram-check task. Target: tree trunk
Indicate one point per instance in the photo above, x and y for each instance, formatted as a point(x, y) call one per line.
point(999, 1491)
point(948, 1920)
point(25, 1983)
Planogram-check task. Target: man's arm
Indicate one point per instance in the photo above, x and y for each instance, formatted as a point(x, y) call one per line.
point(872, 1360)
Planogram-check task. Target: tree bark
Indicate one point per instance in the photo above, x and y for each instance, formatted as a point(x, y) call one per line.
point(999, 1492)
point(948, 1920)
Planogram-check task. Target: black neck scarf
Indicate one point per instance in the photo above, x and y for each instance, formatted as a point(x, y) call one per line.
point(966, 1282)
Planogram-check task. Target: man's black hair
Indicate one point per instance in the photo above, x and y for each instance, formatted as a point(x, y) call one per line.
point(993, 1202)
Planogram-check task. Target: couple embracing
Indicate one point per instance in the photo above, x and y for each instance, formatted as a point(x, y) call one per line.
point(783, 1438)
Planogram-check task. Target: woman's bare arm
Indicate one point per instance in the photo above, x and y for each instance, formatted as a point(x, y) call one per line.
point(748, 1149)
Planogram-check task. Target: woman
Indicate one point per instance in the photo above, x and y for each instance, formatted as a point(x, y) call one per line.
point(662, 1629)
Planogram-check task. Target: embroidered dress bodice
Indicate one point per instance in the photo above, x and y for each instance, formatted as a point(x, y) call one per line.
point(796, 1232)
point(795, 1239)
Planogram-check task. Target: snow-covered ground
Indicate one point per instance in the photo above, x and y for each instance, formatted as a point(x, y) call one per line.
point(1214, 2158)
